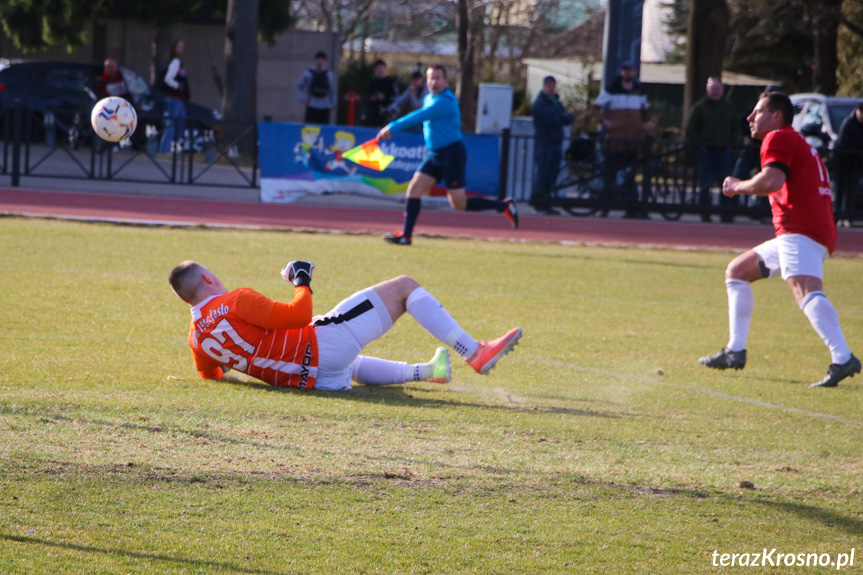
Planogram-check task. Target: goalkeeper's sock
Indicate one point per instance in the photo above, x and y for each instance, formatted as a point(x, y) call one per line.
point(375, 371)
point(412, 212)
point(437, 321)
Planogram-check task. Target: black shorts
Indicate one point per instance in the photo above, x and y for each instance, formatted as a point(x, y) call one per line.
point(447, 164)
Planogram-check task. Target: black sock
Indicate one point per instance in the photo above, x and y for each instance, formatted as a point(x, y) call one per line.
point(412, 212)
point(475, 204)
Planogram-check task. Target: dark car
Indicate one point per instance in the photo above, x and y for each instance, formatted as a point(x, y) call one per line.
point(818, 118)
point(62, 94)
point(56, 92)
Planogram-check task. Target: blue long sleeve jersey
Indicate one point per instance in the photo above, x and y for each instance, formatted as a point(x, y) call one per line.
point(440, 118)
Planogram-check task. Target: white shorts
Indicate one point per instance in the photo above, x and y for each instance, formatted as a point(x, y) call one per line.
point(346, 329)
point(793, 255)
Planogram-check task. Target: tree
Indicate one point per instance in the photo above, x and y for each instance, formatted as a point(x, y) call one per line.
point(466, 88)
point(803, 45)
point(507, 31)
point(35, 25)
point(705, 47)
point(350, 19)
point(239, 102)
point(850, 49)
point(826, 16)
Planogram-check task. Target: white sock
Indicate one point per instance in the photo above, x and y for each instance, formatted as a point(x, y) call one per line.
point(824, 318)
point(437, 321)
point(740, 307)
point(375, 371)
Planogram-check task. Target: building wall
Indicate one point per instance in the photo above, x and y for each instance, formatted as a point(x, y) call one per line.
point(279, 66)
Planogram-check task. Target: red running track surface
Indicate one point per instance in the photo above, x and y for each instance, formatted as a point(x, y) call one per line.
point(150, 210)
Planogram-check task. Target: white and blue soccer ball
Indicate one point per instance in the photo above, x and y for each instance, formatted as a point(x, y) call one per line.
point(113, 119)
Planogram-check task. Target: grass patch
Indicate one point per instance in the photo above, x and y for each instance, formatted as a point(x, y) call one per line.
point(599, 446)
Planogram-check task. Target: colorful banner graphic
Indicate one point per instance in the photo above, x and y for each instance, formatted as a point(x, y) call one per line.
point(296, 160)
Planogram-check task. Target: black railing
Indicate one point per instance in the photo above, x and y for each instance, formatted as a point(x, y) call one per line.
point(662, 176)
point(594, 177)
point(36, 146)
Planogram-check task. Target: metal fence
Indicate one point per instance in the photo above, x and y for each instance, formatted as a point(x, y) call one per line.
point(648, 176)
point(33, 146)
point(657, 176)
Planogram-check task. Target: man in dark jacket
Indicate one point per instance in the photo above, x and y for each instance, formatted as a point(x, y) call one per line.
point(713, 128)
point(549, 118)
point(383, 90)
point(623, 115)
point(316, 89)
point(849, 156)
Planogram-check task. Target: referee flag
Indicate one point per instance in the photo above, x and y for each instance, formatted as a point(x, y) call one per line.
point(369, 155)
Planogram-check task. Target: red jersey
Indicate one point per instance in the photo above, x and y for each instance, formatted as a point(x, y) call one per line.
point(803, 204)
point(244, 330)
point(114, 85)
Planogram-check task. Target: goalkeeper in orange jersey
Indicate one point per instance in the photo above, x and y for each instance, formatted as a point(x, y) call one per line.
point(282, 344)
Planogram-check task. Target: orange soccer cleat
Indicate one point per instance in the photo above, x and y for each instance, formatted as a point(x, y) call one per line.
point(489, 352)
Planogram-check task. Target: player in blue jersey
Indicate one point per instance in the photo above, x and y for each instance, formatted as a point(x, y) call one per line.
point(440, 118)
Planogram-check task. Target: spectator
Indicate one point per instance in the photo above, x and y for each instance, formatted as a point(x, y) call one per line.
point(624, 115)
point(175, 85)
point(381, 93)
point(111, 82)
point(316, 90)
point(411, 99)
point(712, 127)
point(549, 118)
point(849, 156)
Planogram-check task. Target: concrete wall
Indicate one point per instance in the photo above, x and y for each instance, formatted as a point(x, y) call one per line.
point(279, 66)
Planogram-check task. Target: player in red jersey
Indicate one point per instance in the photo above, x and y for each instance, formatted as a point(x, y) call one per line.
point(795, 181)
point(282, 344)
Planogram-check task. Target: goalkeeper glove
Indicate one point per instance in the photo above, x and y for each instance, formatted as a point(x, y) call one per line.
point(299, 273)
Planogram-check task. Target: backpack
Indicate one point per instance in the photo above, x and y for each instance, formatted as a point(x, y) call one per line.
point(320, 86)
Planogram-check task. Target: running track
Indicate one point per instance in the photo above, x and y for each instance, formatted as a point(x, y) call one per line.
point(563, 229)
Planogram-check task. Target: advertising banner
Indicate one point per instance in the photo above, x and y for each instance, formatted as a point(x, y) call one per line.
point(298, 159)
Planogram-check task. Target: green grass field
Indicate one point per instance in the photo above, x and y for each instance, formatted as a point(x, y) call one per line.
point(598, 446)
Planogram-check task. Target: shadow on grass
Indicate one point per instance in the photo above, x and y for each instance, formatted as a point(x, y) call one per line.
point(190, 563)
point(398, 395)
point(825, 517)
point(157, 429)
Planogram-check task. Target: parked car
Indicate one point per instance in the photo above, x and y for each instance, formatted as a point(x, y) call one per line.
point(818, 118)
point(62, 94)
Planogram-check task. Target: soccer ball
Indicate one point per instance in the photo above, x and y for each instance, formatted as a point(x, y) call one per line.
point(113, 119)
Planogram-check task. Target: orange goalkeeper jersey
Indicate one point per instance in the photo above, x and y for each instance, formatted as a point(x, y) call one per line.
point(246, 331)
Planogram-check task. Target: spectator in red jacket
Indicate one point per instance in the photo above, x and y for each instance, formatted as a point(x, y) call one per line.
point(111, 82)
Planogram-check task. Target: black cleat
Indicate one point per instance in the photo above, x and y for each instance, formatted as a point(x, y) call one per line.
point(725, 359)
point(398, 239)
point(511, 212)
point(837, 372)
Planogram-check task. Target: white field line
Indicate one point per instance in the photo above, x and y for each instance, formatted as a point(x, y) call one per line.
point(712, 392)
